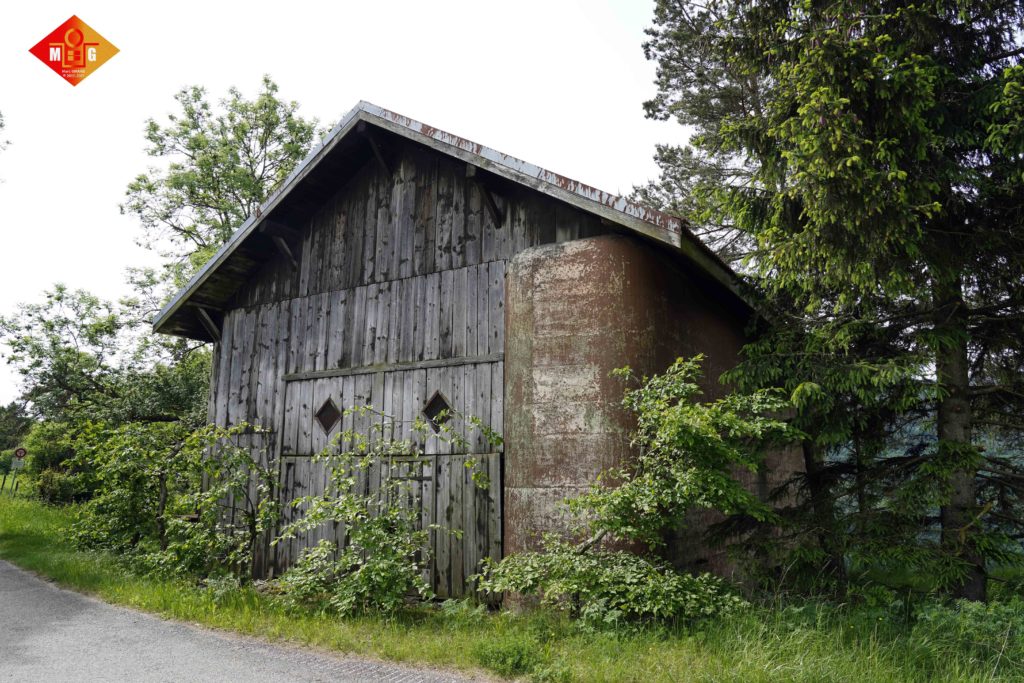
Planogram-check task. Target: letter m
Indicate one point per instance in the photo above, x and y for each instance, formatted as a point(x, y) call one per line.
point(55, 53)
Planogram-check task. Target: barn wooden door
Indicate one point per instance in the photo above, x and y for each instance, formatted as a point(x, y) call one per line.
point(440, 482)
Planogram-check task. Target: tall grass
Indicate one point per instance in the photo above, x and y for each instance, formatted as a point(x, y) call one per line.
point(808, 642)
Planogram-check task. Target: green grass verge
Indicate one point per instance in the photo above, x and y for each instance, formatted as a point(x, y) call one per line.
point(804, 643)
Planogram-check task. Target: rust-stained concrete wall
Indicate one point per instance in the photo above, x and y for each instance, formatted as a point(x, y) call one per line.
point(575, 311)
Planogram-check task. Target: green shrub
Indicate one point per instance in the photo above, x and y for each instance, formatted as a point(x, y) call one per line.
point(50, 444)
point(609, 588)
point(173, 501)
point(6, 461)
point(57, 488)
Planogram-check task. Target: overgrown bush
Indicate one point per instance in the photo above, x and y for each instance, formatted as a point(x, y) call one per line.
point(50, 445)
point(688, 455)
point(385, 552)
point(609, 588)
point(57, 488)
point(176, 501)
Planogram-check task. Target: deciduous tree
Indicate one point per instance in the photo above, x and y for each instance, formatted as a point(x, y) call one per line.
point(222, 163)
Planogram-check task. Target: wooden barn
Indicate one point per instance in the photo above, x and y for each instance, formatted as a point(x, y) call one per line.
point(399, 264)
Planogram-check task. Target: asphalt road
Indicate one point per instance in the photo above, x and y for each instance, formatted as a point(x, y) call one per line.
point(50, 634)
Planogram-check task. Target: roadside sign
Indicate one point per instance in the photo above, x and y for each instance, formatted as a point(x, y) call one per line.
point(20, 453)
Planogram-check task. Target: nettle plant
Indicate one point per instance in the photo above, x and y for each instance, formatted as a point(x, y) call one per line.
point(384, 551)
point(688, 453)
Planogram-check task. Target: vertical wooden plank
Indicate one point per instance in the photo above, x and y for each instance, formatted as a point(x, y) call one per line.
point(348, 420)
point(266, 383)
point(398, 290)
point(290, 432)
point(459, 298)
point(408, 387)
point(358, 329)
point(224, 372)
point(498, 397)
point(369, 322)
point(469, 300)
point(386, 187)
point(336, 330)
point(446, 315)
point(235, 386)
point(406, 224)
point(360, 246)
point(339, 244)
point(505, 236)
point(304, 413)
point(405, 339)
point(349, 328)
point(482, 403)
point(483, 285)
point(496, 546)
point(458, 213)
point(211, 394)
point(443, 216)
point(320, 308)
point(431, 316)
point(426, 203)
point(443, 517)
point(316, 237)
point(309, 351)
point(488, 231)
point(428, 470)
point(457, 474)
point(474, 224)
point(280, 368)
point(419, 306)
point(307, 238)
point(296, 314)
point(383, 324)
point(496, 307)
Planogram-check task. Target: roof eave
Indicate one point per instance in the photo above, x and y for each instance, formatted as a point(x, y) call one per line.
point(616, 210)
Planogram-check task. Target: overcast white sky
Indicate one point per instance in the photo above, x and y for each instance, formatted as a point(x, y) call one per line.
point(559, 83)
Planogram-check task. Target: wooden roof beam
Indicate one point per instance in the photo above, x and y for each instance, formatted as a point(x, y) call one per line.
point(363, 129)
point(474, 174)
point(206, 320)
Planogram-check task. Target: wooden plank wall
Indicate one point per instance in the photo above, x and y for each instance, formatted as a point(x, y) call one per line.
point(398, 293)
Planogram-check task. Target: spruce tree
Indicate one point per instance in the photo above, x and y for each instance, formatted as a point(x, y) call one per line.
point(870, 156)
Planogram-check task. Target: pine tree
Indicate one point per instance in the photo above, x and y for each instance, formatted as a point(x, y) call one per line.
point(872, 157)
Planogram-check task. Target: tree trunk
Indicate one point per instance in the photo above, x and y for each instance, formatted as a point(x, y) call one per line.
point(959, 523)
point(824, 518)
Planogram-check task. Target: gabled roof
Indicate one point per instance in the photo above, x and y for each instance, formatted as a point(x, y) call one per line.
point(343, 150)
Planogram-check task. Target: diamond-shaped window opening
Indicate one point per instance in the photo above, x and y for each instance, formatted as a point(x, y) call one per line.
point(437, 411)
point(328, 416)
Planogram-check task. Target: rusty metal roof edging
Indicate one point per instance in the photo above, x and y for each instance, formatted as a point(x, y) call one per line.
point(654, 224)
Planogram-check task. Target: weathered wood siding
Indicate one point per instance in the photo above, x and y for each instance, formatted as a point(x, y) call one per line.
point(399, 291)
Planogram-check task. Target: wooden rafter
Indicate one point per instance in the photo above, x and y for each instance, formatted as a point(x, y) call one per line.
point(207, 321)
point(492, 206)
point(365, 131)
